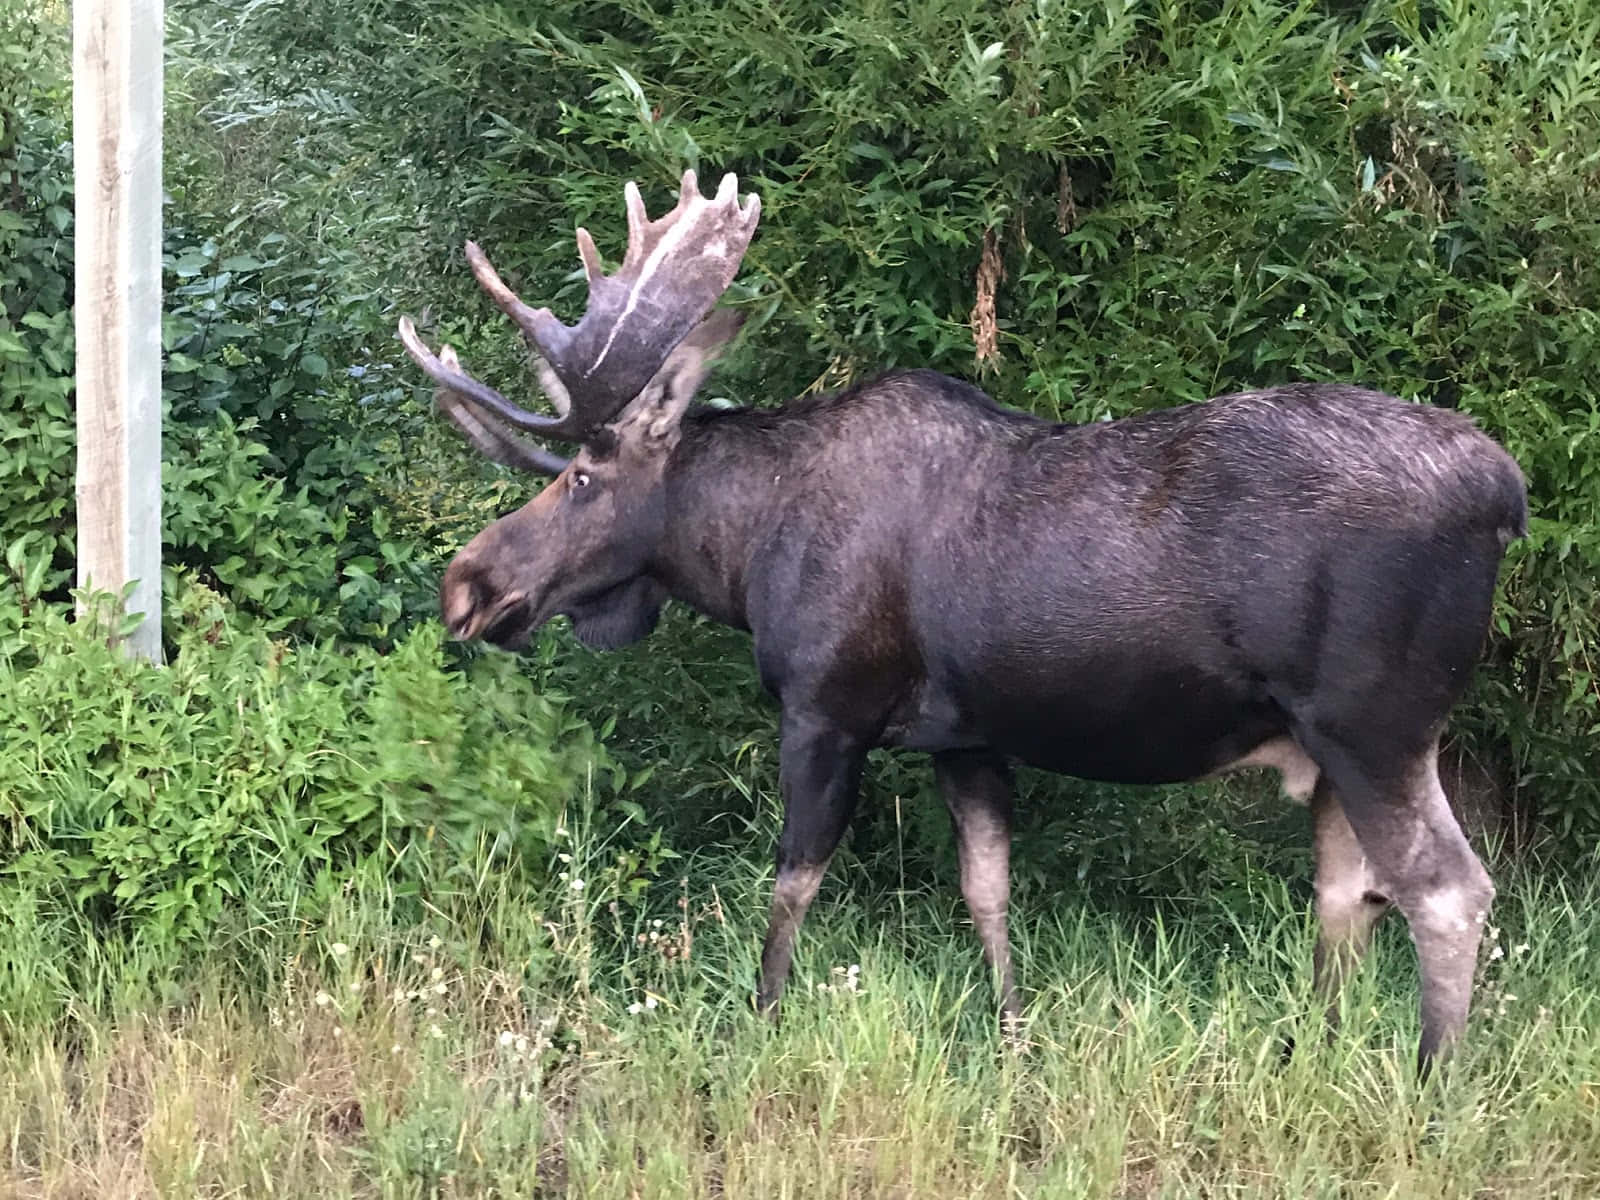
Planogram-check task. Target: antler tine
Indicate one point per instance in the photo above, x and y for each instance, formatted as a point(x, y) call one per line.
point(529, 320)
point(491, 438)
point(639, 219)
point(445, 370)
point(554, 390)
point(673, 273)
point(592, 268)
point(534, 322)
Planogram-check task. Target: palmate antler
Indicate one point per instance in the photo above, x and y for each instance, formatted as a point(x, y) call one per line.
point(673, 273)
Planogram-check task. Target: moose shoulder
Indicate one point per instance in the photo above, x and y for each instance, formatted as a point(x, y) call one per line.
point(1299, 577)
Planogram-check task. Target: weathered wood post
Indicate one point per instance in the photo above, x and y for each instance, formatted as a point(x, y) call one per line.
point(116, 124)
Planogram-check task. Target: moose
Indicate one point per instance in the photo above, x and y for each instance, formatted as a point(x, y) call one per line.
point(1299, 577)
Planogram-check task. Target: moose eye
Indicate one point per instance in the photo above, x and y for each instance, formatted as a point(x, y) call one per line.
point(580, 479)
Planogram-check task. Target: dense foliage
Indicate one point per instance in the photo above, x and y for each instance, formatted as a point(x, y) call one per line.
point(307, 728)
point(36, 429)
point(1134, 205)
point(257, 775)
point(270, 459)
point(1120, 207)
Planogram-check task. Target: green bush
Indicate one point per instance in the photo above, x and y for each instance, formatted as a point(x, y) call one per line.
point(276, 422)
point(36, 349)
point(1175, 202)
point(286, 446)
point(307, 728)
point(242, 783)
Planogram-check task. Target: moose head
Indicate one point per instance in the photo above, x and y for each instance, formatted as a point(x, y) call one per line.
point(620, 382)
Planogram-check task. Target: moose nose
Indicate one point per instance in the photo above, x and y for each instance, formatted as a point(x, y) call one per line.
point(458, 602)
point(471, 606)
point(466, 599)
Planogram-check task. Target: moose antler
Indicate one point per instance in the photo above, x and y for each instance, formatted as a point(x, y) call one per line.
point(674, 271)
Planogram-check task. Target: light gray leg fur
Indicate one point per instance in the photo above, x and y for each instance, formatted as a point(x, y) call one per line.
point(792, 894)
point(1417, 857)
point(1445, 897)
point(977, 790)
point(1349, 902)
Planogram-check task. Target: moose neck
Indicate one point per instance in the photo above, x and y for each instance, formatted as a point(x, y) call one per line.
point(720, 488)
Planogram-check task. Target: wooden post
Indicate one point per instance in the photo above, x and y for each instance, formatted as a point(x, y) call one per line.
point(116, 126)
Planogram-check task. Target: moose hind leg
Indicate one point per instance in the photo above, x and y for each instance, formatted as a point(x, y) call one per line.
point(1447, 915)
point(977, 790)
point(1349, 902)
point(820, 773)
point(1422, 863)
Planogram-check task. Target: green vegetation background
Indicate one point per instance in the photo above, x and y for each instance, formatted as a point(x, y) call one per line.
point(1142, 204)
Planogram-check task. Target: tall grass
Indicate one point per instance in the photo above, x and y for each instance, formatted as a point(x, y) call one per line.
point(560, 1044)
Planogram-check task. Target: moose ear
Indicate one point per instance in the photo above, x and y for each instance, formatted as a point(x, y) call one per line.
point(660, 406)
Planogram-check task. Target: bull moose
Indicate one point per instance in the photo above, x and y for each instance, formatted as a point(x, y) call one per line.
point(1299, 577)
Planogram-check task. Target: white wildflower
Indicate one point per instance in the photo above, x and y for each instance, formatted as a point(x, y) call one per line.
point(507, 1037)
point(322, 999)
point(339, 949)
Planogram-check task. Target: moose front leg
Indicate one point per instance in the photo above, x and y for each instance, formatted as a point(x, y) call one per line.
point(820, 770)
point(977, 790)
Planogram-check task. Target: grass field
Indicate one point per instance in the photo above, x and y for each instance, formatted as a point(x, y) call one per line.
point(547, 1045)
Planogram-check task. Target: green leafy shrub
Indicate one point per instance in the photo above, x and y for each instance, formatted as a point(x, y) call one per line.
point(1175, 202)
point(1169, 203)
point(269, 464)
point(36, 347)
point(303, 478)
point(306, 728)
point(244, 781)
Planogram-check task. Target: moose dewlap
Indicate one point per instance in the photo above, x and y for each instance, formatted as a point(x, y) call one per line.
point(1299, 577)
